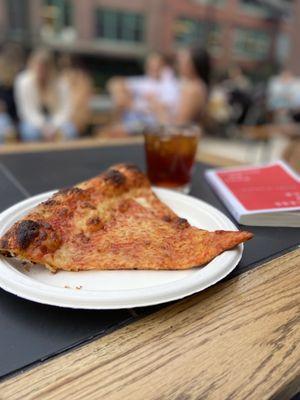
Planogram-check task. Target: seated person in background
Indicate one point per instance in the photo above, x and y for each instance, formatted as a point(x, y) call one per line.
point(43, 101)
point(134, 97)
point(159, 84)
point(280, 95)
point(194, 68)
point(7, 129)
point(295, 106)
point(218, 108)
point(239, 90)
point(10, 65)
point(82, 90)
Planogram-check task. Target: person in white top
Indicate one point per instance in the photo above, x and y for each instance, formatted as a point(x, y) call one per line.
point(159, 83)
point(190, 103)
point(43, 101)
point(161, 98)
point(134, 97)
point(281, 95)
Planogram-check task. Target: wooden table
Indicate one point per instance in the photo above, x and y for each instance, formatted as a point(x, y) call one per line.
point(239, 339)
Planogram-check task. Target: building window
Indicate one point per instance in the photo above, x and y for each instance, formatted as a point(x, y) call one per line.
point(189, 31)
point(251, 44)
point(61, 11)
point(215, 3)
point(57, 21)
point(255, 9)
point(282, 48)
point(17, 17)
point(281, 9)
point(119, 25)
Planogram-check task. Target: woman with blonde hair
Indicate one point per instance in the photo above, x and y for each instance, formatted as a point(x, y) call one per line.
point(43, 101)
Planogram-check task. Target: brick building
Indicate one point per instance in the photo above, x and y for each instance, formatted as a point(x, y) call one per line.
point(236, 31)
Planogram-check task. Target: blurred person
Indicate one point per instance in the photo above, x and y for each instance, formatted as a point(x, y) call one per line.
point(280, 95)
point(11, 62)
point(295, 102)
point(194, 68)
point(159, 83)
point(134, 97)
point(131, 93)
point(238, 89)
point(43, 101)
point(218, 108)
point(81, 91)
point(10, 65)
point(7, 128)
point(237, 80)
point(181, 101)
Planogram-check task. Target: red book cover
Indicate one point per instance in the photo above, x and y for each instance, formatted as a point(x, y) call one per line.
point(272, 187)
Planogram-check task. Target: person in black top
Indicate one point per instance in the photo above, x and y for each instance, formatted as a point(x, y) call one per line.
point(8, 114)
point(10, 65)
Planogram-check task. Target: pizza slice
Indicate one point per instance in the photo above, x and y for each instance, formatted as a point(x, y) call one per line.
point(113, 221)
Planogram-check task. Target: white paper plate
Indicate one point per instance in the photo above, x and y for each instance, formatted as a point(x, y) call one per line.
point(118, 289)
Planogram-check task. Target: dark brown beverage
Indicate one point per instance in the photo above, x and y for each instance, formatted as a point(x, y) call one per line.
point(170, 155)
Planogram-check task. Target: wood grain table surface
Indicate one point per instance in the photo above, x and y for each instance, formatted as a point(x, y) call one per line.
point(239, 339)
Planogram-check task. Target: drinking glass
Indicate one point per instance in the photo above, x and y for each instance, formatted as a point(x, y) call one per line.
point(170, 155)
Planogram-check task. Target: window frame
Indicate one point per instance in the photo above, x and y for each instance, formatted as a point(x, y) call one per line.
point(242, 32)
point(202, 27)
point(121, 33)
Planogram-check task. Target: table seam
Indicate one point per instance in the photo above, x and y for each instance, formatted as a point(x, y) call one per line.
point(10, 176)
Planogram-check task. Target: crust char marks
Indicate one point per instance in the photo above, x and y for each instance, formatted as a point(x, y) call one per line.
point(94, 224)
point(178, 223)
point(4, 242)
point(70, 190)
point(51, 202)
point(182, 223)
point(26, 232)
point(4, 245)
point(115, 177)
point(125, 176)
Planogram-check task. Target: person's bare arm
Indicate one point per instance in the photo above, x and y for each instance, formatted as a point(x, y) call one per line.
point(120, 93)
point(192, 103)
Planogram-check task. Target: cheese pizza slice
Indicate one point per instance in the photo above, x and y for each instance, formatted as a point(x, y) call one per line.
point(110, 222)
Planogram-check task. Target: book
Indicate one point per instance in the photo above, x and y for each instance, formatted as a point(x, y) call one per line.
point(265, 195)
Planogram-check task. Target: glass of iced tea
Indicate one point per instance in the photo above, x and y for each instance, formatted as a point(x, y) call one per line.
point(170, 155)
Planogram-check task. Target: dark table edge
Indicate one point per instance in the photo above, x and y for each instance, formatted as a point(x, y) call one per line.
point(68, 349)
point(290, 391)
point(261, 262)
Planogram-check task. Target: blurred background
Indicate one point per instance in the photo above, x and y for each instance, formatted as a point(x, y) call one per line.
point(108, 68)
